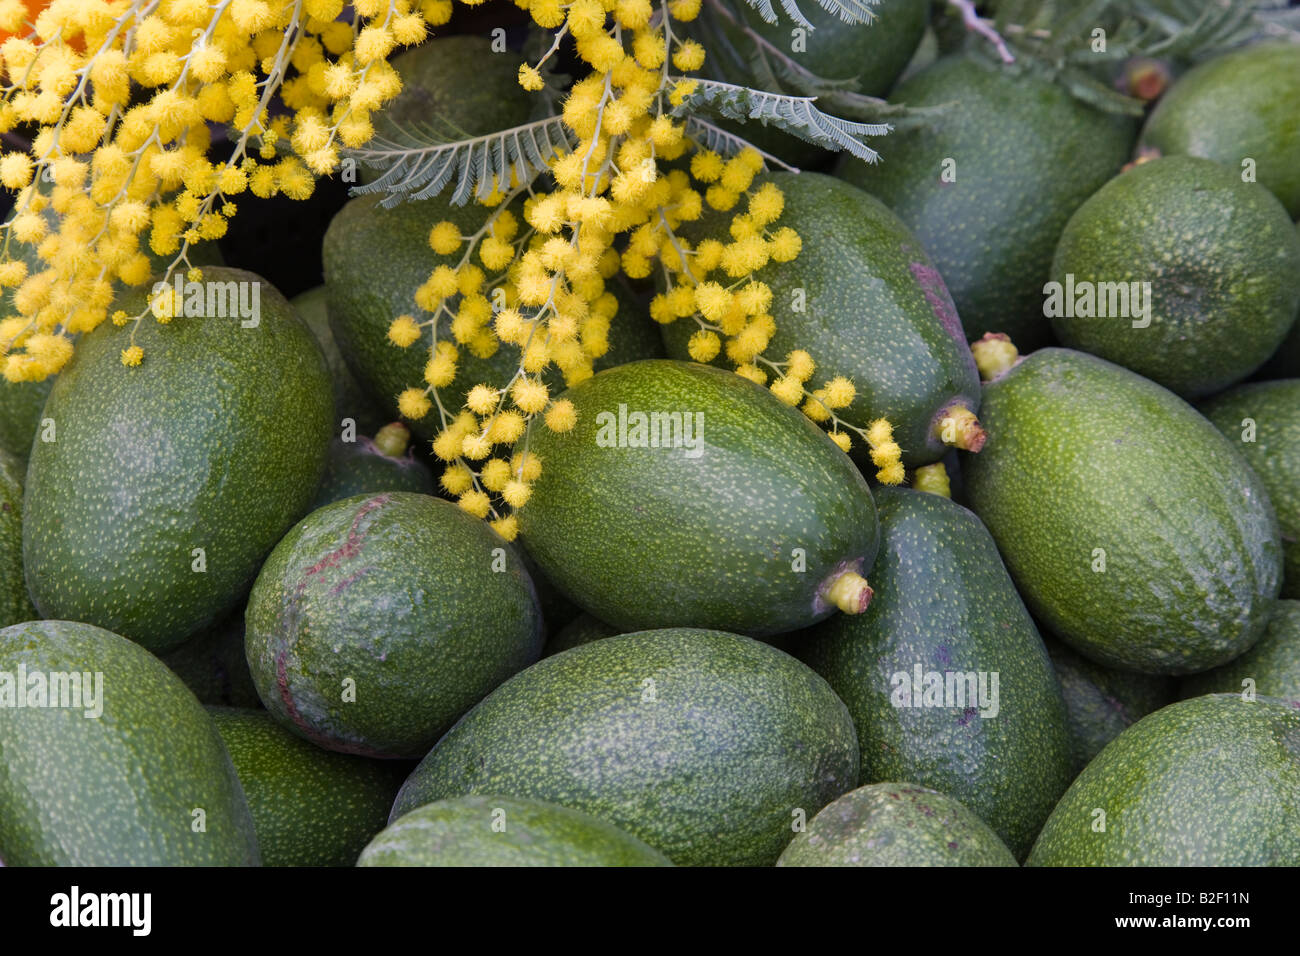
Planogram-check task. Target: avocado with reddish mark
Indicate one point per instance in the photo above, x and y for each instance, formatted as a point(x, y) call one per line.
point(866, 302)
point(701, 743)
point(505, 831)
point(378, 620)
point(170, 482)
point(896, 824)
point(945, 674)
point(739, 512)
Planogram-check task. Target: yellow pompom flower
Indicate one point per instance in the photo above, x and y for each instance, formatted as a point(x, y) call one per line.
point(482, 400)
point(475, 502)
point(704, 346)
point(801, 365)
point(530, 395)
point(413, 404)
point(839, 392)
point(445, 238)
point(132, 356)
point(507, 527)
point(561, 416)
point(842, 439)
point(403, 331)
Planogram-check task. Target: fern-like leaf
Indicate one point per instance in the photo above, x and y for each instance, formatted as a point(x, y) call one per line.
point(796, 115)
point(417, 166)
point(850, 11)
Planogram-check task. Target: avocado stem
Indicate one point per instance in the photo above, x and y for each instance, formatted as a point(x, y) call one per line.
point(994, 354)
point(932, 479)
point(393, 439)
point(850, 592)
point(957, 426)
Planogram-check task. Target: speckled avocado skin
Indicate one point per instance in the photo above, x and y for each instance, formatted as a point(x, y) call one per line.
point(217, 441)
point(944, 601)
point(1027, 154)
point(1087, 462)
point(753, 736)
point(459, 615)
point(15, 606)
point(896, 824)
point(376, 258)
point(1238, 105)
point(1272, 665)
point(1213, 781)
point(120, 789)
point(1274, 410)
point(867, 303)
point(1100, 702)
point(350, 400)
point(310, 807)
point(714, 536)
point(1222, 259)
point(360, 468)
point(505, 831)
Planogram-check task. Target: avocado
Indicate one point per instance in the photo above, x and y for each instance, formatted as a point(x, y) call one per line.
point(453, 88)
point(350, 400)
point(583, 629)
point(866, 302)
point(15, 606)
point(1179, 271)
point(1134, 530)
point(376, 258)
point(1212, 781)
point(310, 807)
point(1024, 153)
point(213, 666)
point(126, 770)
point(1262, 421)
point(706, 745)
point(1272, 666)
point(368, 466)
point(1238, 107)
point(896, 824)
point(505, 831)
point(945, 675)
point(743, 513)
point(170, 482)
point(380, 619)
point(1100, 702)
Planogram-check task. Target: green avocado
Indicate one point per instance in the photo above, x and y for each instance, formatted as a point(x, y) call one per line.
point(15, 606)
point(866, 302)
point(380, 619)
point(1262, 421)
point(743, 513)
point(1212, 781)
point(1236, 108)
point(1272, 666)
point(310, 807)
point(1100, 702)
point(987, 186)
point(705, 745)
point(1134, 530)
point(505, 831)
point(110, 761)
point(1179, 271)
point(945, 675)
point(896, 824)
point(350, 400)
point(368, 466)
point(170, 482)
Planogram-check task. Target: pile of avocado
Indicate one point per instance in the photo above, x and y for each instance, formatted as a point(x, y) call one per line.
point(242, 623)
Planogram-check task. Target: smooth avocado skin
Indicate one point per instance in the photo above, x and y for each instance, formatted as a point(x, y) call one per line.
point(215, 442)
point(754, 736)
point(15, 606)
point(360, 468)
point(1235, 107)
point(1221, 259)
point(896, 824)
point(1271, 668)
point(121, 787)
point(867, 303)
point(505, 831)
point(1101, 702)
point(1134, 531)
point(1212, 781)
point(310, 807)
point(715, 519)
point(408, 601)
point(1026, 155)
point(1262, 420)
point(945, 602)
